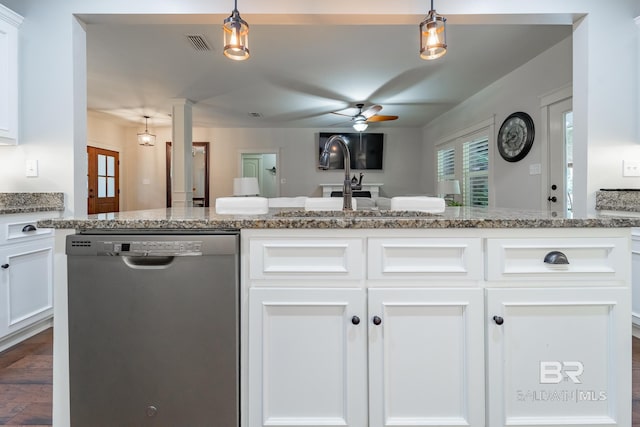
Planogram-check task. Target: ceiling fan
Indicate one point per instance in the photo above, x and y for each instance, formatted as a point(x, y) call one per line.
point(362, 119)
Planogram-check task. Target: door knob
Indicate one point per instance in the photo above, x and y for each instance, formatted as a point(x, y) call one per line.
point(4, 266)
point(355, 320)
point(499, 320)
point(552, 199)
point(377, 320)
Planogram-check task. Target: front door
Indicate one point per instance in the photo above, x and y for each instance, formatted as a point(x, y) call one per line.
point(560, 191)
point(103, 181)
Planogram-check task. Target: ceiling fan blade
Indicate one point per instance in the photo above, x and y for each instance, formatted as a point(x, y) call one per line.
point(341, 114)
point(371, 111)
point(379, 118)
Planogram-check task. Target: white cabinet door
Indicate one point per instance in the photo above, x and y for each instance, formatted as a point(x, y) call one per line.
point(559, 357)
point(307, 357)
point(9, 22)
point(26, 284)
point(426, 357)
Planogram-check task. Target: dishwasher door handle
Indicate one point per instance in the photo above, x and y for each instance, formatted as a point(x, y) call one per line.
point(148, 262)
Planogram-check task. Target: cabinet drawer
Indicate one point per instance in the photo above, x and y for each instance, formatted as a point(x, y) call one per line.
point(306, 258)
point(589, 259)
point(425, 258)
point(23, 228)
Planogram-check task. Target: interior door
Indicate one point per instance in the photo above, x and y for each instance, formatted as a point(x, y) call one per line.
point(560, 191)
point(252, 167)
point(103, 181)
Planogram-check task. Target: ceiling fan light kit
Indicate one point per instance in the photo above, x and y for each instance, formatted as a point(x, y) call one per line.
point(236, 36)
point(145, 138)
point(360, 124)
point(433, 35)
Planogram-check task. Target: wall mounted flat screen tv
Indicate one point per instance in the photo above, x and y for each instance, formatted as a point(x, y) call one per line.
point(365, 150)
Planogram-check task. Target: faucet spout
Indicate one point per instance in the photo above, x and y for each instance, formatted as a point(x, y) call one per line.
point(324, 164)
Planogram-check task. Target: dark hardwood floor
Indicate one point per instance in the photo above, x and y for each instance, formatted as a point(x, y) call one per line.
point(26, 378)
point(26, 382)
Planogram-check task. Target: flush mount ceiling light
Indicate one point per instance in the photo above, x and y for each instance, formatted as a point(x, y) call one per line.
point(236, 36)
point(433, 35)
point(360, 123)
point(146, 138)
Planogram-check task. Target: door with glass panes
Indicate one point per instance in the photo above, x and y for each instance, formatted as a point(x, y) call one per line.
point(103, 181)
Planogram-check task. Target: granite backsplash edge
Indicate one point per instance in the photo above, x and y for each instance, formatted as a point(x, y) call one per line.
point(626, 201)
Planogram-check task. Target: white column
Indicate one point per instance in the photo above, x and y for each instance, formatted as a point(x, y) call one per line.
point(182, 158)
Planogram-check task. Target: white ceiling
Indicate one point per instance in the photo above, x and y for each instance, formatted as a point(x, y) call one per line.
point(297, 74)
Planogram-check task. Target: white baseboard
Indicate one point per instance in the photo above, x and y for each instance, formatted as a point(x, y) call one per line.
point(25, 333)
point(635, 330)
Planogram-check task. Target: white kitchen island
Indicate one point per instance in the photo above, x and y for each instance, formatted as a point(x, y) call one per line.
point(454, 319)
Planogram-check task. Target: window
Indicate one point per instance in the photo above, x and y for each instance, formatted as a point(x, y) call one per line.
point(466, 158)
point(446, 164)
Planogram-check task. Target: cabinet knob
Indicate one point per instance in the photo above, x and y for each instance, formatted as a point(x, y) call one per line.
point(28, 227)
point(499, 320)
point(4, 266)
point(556, 257)
point(355, 320)
point(377, 320)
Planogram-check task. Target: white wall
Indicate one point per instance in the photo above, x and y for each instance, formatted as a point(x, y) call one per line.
point(520, 90)
point(53, 78)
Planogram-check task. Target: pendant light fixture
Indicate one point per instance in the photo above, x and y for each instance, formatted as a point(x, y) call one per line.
point(236, 36)
point(146, 138)
point(433, 35)
point(360, 123)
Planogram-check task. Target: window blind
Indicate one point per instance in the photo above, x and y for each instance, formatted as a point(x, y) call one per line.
point(475, 171)
point(446, 164)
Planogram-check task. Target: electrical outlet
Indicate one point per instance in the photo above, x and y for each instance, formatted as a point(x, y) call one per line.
point(630, 168)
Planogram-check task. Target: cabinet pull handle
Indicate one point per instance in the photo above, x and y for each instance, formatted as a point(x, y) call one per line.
point(556, 257)
point(4, 266)
point(499, 320)
point(377, 320)
point(28, 227)
point(355, 319)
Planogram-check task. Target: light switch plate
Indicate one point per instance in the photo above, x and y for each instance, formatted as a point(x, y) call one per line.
point(630, 168)
point(31, 168)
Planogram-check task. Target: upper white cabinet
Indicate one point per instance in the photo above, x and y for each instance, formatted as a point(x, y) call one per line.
point(9, 23)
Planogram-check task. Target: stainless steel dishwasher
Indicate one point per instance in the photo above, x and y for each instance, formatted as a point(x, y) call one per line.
point(154, 329)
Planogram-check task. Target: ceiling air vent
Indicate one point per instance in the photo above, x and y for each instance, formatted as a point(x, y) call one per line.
point(198, 42)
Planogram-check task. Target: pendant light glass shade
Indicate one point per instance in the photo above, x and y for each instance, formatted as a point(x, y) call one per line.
point(236, 36)
point(360, 124)
point(433, 35)
point(146, 138)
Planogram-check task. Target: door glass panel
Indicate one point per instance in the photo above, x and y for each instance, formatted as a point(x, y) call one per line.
point(111, 187)
point(110, 166)
point(102, 186)
point(102, 165)
point(568, 138)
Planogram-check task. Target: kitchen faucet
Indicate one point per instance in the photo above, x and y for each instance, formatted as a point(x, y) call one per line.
point(324, 164)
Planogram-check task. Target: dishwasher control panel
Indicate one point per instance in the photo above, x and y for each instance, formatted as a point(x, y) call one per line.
point(153, 245)
point(151, 248)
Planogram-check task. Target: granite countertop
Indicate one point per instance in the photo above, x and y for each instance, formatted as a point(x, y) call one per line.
point(453, 217)
point(624, 200)
point(12, 203)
